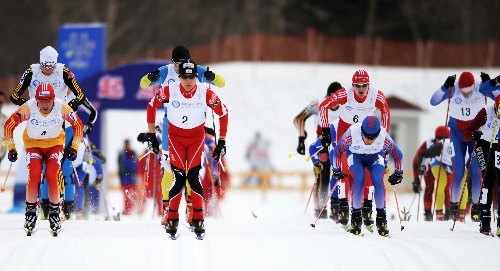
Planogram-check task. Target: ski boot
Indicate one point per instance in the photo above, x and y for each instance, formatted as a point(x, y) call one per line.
point(334, 210)
point(367, 215)
point(355, 222)
point(427, 215)
point(323, 215)
point(447, 215)
point(30, 217)
point(381, 221)
point(344, 213)
point(439, 215)
point(68, 208)
point(485, 220)
point(475, 212)
point(164, 220)
point(454, 211)
point(198, 228)
point(171, 227)
point(45, 209)
point(54, 218)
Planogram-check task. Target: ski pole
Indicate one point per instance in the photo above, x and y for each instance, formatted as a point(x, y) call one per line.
point(326, 202)
point(310, 194)
point(76, 174)
point(214, 192)
point(87, 149)
point(308, 158)
point(397, 205)
point(418, 206)
point(464, 187)
point(441, 158)
point(412, 201)
point(154, 187)
point(7, 177)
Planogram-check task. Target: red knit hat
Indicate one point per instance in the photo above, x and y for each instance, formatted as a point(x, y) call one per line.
point(465, 80)
point(360, 76)
point(442, 130)
point(44, 92)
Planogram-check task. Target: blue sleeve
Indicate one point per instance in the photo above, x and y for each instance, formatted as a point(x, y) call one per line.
point(163, 74)
point(440, 95)
point(486, 88)
point(315, 146)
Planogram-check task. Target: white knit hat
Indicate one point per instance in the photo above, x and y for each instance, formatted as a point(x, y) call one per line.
point(48, 56)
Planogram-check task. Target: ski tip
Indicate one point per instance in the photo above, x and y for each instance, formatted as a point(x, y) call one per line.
point(199, 237)
point(402, 228)
point(173, 237)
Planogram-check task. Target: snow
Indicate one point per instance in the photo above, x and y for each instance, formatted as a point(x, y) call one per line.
point(264, 97)
point(280, 238)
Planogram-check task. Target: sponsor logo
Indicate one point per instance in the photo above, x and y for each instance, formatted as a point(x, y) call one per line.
point(458, 100)
point(348, 108)
point(111, 87)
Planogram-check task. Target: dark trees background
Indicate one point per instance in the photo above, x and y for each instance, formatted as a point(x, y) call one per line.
point(135, 27)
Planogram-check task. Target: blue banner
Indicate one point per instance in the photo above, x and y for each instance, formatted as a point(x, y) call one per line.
point(117, 88)
point(82, 48)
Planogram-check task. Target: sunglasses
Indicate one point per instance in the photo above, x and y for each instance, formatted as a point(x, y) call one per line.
point(361, 85)
point(47, 66)
point(192, 76)
point(178, 62)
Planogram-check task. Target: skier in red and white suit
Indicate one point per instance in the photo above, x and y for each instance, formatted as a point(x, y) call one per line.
point(187, 103)
point(359, 101)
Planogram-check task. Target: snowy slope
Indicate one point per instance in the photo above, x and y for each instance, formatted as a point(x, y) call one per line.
point(280, 238)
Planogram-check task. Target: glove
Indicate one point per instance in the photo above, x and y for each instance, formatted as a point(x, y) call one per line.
point(20, 101)
point(71, 154)
point(450, 81)
point(220, 150)
point(301, 148)
point(87, 128)
point(97, 182)
point(484, 77)
point(476, 135)
point(154, 75)
point(338, 175)
point(12, 155)
point(395, 178)
point(326, 137)
point(495, 81)
point(416, 186)
point(318, 167)
point(421, 169)
point(142, 137)
point(209, 75)
point(74, 104)
point(153, 144)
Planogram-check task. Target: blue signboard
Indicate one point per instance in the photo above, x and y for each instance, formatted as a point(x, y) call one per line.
point(82, 48)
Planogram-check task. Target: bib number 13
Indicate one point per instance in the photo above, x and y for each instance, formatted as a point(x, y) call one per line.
point(466, 111)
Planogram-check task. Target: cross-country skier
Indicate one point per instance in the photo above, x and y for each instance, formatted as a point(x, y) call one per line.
point(366, 146)
point(187, 102)
point(484, 131)
point(465, 101)
point(359, 101)
point(43, 139)
point(64, 83)
point(163, 76)
point(321, 164)
point(434, 158)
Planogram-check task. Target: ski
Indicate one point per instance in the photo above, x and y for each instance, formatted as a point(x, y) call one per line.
point(174, 236)
point(488, 234)
point(345, 227)
point(369, 228)
point(54, 233)
point(29, 231)
point(200, 236)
